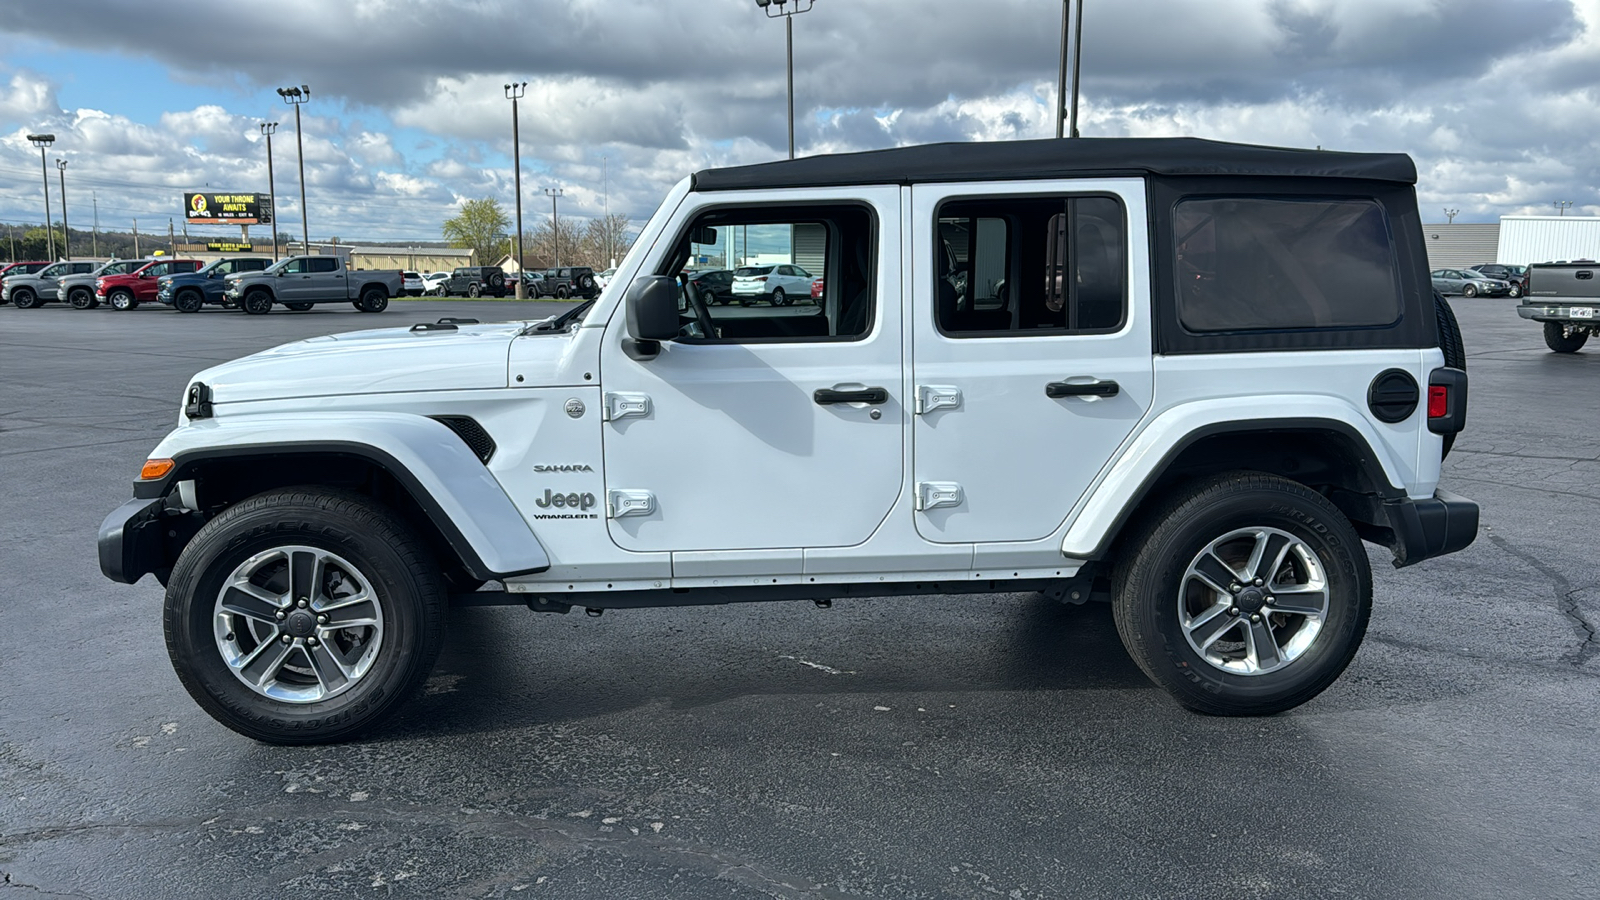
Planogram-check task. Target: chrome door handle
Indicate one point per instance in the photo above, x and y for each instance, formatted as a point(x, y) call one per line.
point(1058, 389)
point(873, 395)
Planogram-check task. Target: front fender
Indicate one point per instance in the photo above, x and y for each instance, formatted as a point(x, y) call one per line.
point(447, 481)
point(1165, 436)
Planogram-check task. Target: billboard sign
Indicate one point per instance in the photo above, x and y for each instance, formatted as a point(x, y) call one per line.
point(229, 247)
point(226, 209)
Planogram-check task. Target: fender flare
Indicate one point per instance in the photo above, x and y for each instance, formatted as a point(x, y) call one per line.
point(451, 485)
point(1109, 503)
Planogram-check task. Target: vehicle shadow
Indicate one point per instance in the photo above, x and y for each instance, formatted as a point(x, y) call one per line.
point(506, 668)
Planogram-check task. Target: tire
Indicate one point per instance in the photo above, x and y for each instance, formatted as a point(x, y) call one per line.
point(353, 545)
point(1516, 291)
point(1165, 612)
point(82, 298)
point(373, 300)
point(561, 293)
point(122, 300)
point(24, 298)
point(188, 301)
point(497, 282)
point(1469, 291)
point(1555, 337)
point(745, 300)
point(257, 303)
point(473, 291)
point(586, 283)
point(1455, 351)
point(779, 298)
point(300, 307)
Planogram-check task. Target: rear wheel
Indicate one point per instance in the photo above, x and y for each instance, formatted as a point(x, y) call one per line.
point(299, 307)
point(25, 298)
point(188, 301)
point(1247, 594)
point(1516, 291)
point(122, 300)
point(561, 293)
point(1557, 338)
point(473, 291)
point(779, 298)
point(304, 616)
point(257, 303)
point(373, 300)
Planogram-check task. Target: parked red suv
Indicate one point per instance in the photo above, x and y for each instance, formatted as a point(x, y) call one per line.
point(125, 292)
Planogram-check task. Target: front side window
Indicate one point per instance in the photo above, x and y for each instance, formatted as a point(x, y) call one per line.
point(764, 291)
point(1252, 264)
point(294, 266)
point(156, 270)
point(1031, 265)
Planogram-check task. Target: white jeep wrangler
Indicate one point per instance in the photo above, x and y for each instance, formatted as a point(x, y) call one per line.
point(1193, 376)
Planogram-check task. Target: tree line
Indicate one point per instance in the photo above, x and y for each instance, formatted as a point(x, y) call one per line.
point(484, 227)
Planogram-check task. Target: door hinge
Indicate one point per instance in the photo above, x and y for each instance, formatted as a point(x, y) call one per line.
point(934, 494)
point(629, 503)
point(937, 396)
point(621, 406)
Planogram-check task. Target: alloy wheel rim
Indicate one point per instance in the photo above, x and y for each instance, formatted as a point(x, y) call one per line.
point(1253, 601)
point(298, 624)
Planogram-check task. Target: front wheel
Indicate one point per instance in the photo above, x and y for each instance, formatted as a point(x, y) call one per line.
point(25, 299)
point(304, 616)
point(188, 302)
point(1557, 338)
point(258, 303)
point(1247, 594)
point(1469, 291)
point(122, 301)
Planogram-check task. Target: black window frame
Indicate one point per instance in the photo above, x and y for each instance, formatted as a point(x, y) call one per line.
point(1011, 250)
point(802, 208)
point(1415, 329)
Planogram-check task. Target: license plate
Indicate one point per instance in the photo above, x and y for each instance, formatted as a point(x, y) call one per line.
point(1581, 312)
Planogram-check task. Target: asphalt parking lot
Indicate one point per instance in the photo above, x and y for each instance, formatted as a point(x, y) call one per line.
point(969, 747)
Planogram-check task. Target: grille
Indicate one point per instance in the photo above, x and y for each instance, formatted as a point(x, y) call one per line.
point(471, 434)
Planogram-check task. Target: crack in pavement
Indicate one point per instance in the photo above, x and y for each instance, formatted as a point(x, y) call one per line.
point(1566, 602)
point(7, 881)
point(666, 852)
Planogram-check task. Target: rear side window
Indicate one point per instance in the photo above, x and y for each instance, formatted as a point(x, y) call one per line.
point(323, 264)
point(249, 265)
point(1256, 264)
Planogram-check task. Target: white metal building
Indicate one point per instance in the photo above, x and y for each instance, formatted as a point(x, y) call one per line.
point(1453, 246)
point(1535, 239)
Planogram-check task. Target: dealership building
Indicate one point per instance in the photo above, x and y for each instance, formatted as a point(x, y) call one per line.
point(1514, 240)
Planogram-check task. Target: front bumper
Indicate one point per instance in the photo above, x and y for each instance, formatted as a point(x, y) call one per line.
point(131, 539)
point(1561, 312)
point(1423, 529)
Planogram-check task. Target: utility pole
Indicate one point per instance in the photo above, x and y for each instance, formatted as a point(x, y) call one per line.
point(267, 128)
point(172, 243)
point(1067, 92)
point(294, 96)
point(66, 230)
point(515, 92)
point(555, 223)
point(12, 232)
point(136, 239)
point(605, 207)
point(96, 198)
point(1563, 206)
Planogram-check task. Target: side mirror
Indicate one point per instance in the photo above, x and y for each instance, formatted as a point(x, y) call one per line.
point(652, 304)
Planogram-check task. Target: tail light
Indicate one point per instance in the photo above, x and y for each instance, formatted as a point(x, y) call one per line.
point(1438, 401)
point(1447, 401)
point(762, 278)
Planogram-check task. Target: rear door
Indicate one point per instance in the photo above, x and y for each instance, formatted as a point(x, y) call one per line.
point(326, 280)
point(1031, 359)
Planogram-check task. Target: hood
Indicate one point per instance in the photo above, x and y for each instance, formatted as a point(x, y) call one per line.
point(381, 361)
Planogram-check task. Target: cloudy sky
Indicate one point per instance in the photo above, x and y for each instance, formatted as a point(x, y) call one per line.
point(1498, 100)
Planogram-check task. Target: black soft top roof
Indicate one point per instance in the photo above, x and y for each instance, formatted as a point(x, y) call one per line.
point(1076, 157)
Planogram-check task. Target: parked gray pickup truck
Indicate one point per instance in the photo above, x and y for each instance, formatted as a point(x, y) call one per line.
point(301, 282)
point(1566, 298)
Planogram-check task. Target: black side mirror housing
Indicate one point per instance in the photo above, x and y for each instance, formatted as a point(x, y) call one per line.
point(652, 309)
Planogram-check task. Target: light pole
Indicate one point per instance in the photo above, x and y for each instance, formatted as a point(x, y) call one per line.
point(267, 128)
point(515, 92)
point(66, 230)
point(294, 96)
point(1563, 205)
point(1450, 216)
point(605, 205)
point(42, 141)
point(788, 9)
point(1070, 25)
point(555, 224)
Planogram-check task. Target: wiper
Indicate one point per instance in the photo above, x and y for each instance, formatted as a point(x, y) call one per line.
point(560, 323)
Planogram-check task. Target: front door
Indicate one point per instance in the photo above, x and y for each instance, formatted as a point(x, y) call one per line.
point(1031, 350)
point(764, 427)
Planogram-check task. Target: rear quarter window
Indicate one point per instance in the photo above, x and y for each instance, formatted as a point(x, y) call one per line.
point(1259, 264)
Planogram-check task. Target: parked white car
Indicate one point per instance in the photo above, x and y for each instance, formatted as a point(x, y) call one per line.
point(777, 284)
point(433, 282)
point(411, 284)
point(1192, 387)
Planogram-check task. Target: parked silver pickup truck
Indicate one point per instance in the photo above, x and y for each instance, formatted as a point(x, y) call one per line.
point(301, 282)
point(1566, 298)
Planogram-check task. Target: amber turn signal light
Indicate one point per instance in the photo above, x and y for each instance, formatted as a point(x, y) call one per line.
point(155, 468)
